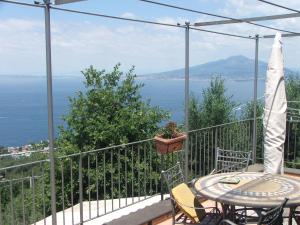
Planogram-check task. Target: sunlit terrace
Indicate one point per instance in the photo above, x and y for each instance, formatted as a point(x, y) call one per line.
point(242, 172)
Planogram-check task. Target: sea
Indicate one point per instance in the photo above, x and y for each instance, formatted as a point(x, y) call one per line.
point(23, 102)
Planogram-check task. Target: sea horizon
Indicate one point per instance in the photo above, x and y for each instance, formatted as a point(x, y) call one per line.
point(23, 102)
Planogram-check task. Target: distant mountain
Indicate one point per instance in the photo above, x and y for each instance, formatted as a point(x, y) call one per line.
point(234, 67)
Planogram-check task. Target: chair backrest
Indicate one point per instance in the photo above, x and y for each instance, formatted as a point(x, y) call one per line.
point(231, 160)
point(173, 176)
point(181, 195)
point(187, 201)
point(273, 216)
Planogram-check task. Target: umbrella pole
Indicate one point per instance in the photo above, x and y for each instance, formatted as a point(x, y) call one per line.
point(255, 100)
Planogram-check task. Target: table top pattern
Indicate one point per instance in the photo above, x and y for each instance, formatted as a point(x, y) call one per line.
point(254, 189)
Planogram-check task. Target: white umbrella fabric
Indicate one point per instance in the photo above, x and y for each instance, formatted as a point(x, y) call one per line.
point(275, 111)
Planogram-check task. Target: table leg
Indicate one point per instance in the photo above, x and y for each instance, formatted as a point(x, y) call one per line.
point(291, 213)
point(225, 209)
point(232, 213)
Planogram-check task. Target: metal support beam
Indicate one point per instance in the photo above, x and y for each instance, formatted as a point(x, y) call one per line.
point(187, 96)
point(250, 19)
point(255, 100)
point(283, 35)
point(50, 110)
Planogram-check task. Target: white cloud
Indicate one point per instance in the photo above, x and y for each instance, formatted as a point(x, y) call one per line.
point(128, 15)
point(151, 48)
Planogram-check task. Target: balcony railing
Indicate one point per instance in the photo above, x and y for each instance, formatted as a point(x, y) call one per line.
point(101, 181)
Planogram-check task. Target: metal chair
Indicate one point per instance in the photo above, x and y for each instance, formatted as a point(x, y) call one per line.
point(269, 217)
point(186, 207)
point(231, 161)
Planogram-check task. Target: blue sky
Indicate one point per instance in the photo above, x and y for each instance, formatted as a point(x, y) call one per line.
point(80, 40)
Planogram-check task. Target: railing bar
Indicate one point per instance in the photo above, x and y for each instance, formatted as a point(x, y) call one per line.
point(250, 138)
point(207, 152)
point(243, 132)
point(33, 196)
point(289, 131)
point(62, 191)
point(295, 142)
point(220, 125)
point(230, 138)
point(97, 184)
point(193, 147)
point(11, 203)
point(80, 177)
point(119, 177)
point(72, 200)
point(89, 185)
point(1, 217)
point(151, 169)
point(191, 154)
point(106, 148)
point(157, 170)
point(212, 147)
point(139, 177)
point(112, 179)
point(126, 180)
point(198, 154)
point(212, 151)
point(145, 172)
point(23, 202)
point(224, 137)
point(104, 168)
point(22, 165)
point(43, 194)
point(132, 171)
point(204, 153)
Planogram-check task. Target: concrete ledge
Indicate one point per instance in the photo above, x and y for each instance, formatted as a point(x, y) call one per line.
point(146, 215)
point(260, 168)
point(292, 171)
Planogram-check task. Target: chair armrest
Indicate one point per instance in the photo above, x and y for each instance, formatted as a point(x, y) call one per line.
point(192, 182)
point(213, 172)
point(225, 221)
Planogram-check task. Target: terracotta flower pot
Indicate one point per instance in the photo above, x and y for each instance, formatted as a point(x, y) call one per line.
point(165, 146)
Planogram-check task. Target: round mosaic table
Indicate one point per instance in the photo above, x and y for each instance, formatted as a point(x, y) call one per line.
point(258, 190)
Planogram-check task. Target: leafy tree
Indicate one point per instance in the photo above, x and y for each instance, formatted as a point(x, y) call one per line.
point(248, 110)
point(110, 112)
point(292, 156)
point(293, 88)
point(215, 108)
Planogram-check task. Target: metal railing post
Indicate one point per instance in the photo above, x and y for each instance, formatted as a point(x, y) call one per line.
point(161, 178)
point(216, 146)
point(255, 101)
point(80, 189)
point(50, 110)
point(187, 93)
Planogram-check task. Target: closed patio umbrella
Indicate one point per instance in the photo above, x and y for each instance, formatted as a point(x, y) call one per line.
point(275, 111)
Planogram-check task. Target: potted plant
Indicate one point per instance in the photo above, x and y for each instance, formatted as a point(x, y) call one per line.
point(170, 139)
